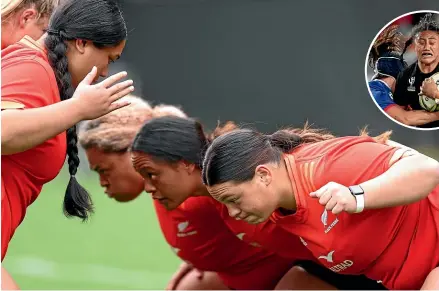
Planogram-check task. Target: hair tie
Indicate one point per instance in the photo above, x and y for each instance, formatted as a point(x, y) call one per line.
point(53, 32)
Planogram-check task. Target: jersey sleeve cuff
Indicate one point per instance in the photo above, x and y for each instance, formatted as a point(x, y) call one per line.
point(389, 106)
point(11, 104)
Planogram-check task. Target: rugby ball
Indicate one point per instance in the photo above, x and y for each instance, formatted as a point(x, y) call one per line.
point(428, 103)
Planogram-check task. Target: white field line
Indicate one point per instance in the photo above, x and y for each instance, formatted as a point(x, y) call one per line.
point(85, 273)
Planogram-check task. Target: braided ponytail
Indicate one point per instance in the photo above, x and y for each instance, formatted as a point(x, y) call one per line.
point(77, 201)
point(100, 22)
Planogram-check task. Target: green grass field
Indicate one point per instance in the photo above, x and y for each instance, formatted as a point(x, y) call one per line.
point(121, 247)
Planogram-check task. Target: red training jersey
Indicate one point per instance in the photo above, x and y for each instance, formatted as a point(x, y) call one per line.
point(398, 245)
point(28, 82)
point(198, 235)
point(267, 235)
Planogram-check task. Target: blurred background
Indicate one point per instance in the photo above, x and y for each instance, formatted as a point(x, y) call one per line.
point(263, 63)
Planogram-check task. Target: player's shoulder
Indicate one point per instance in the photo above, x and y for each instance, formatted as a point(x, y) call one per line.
point(26, 60)
point(373, 83)
point(319, 149)
point(381, 91)
point(26, 57)
point(377, 85)
point(346, 141)
point(318, 155)
point(356, 151)
point(345, 156)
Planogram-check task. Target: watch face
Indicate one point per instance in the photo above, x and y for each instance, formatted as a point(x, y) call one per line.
point(357, 190)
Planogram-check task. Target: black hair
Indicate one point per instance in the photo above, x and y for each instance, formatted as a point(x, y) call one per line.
point(235, 155)
point(173, 139)
point(98, 21)
point(426, 23)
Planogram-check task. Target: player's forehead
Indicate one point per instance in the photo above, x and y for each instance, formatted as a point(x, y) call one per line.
point(140, 160)
point(428, 34)
point(224, 189)
point(97, 157)
point(97, 165)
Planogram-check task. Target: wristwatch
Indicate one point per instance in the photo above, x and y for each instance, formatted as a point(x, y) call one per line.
point(358, 193)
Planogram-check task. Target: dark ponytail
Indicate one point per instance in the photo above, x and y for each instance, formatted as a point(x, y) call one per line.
point(77, 201)
point(101, 22)
point(283, 140)
point(235, 156)
point(287, 139)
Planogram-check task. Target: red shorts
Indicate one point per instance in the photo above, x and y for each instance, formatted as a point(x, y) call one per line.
point(263, 276)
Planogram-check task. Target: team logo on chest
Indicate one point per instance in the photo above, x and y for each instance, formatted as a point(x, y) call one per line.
point(338, 267)
point(183, 231)
point(328, 257)
point(411, 87)
point(324, 219)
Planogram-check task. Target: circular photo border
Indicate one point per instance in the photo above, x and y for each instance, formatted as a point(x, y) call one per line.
point(368, 68)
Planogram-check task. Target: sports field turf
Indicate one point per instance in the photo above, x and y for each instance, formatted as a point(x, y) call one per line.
point(121, 247)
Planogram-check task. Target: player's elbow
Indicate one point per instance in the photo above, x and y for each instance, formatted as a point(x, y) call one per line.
point(428, 168)
point(7, 149)
point(8, 142)
point(12, 139)
point(7, 138)
point(435, 169)
point(418, 167)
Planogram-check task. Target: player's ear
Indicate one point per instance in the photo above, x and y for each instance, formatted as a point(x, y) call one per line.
point(263, 175)
point(26, 16)
point(188, 167)
point(81, 44)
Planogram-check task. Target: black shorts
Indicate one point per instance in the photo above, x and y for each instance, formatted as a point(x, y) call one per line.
point(342, 282)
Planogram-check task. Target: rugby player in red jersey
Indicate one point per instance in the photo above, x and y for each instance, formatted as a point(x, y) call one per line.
point(192, 226)
point(307, 181)
point(167, 153)
point(36, 76)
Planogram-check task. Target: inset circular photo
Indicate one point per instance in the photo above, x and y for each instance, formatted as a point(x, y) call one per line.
point(402, 70)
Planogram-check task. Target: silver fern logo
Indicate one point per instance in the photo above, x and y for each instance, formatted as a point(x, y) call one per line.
point(324, 218)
